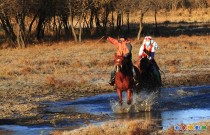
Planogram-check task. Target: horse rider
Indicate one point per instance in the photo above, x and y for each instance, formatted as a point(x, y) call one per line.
point(124, 49)
point(147, 49)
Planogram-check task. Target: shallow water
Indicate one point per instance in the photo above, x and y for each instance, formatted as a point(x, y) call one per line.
point(175, 106)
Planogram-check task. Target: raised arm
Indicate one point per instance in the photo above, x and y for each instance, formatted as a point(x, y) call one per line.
point(113, 41)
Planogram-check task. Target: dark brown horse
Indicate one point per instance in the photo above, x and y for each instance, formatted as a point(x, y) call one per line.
point(123, 78)
point(147, 79)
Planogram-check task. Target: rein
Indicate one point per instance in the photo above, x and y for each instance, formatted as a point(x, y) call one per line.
point(118, 64)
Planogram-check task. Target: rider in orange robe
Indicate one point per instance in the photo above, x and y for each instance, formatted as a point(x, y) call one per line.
point(124, 49)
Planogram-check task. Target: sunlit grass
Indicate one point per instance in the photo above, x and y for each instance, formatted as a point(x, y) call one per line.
point(120, 127)
point(180, 15)
point(68, 65)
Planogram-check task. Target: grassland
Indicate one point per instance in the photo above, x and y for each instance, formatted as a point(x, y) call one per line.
point(120, 127)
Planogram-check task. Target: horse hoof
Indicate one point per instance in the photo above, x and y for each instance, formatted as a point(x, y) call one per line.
point(129, 102)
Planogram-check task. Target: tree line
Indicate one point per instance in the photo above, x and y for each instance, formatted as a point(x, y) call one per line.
point(23, 21)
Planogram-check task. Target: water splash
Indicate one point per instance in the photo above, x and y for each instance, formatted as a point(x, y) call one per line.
point(140, 102)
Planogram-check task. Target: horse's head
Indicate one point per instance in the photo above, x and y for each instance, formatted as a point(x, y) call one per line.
point(144, 64)
point(118, 61)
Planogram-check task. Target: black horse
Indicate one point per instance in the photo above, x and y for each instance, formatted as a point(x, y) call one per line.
point(148, 78)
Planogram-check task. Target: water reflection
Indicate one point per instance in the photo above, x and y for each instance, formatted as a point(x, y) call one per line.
point(25, 130)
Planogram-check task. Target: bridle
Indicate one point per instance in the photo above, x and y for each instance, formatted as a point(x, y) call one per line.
point(118, 63)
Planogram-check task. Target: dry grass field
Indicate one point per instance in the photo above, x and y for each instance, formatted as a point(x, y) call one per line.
point(66, 71)
point(181, 15)
point(119, 127)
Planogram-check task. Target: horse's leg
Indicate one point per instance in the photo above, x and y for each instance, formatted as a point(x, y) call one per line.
point(119, 92)
point(129, 94)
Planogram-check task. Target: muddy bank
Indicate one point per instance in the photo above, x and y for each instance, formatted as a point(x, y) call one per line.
point(18, 109)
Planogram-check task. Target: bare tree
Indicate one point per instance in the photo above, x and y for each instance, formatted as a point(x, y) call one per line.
point(6, 21)
point(68, 18)
point(71, 13)
point(142, 6)
point(12, 16)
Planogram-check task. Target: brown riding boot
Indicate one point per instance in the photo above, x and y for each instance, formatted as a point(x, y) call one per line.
point(112, 78)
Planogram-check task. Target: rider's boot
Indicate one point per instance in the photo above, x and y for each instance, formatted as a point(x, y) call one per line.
point(112, 78)
point(136, 82)
point(157, 76)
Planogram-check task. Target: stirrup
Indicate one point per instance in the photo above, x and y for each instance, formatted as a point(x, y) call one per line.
point(137, 83)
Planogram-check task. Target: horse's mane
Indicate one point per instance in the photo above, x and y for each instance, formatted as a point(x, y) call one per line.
point(144, 64)
point(120, 60)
